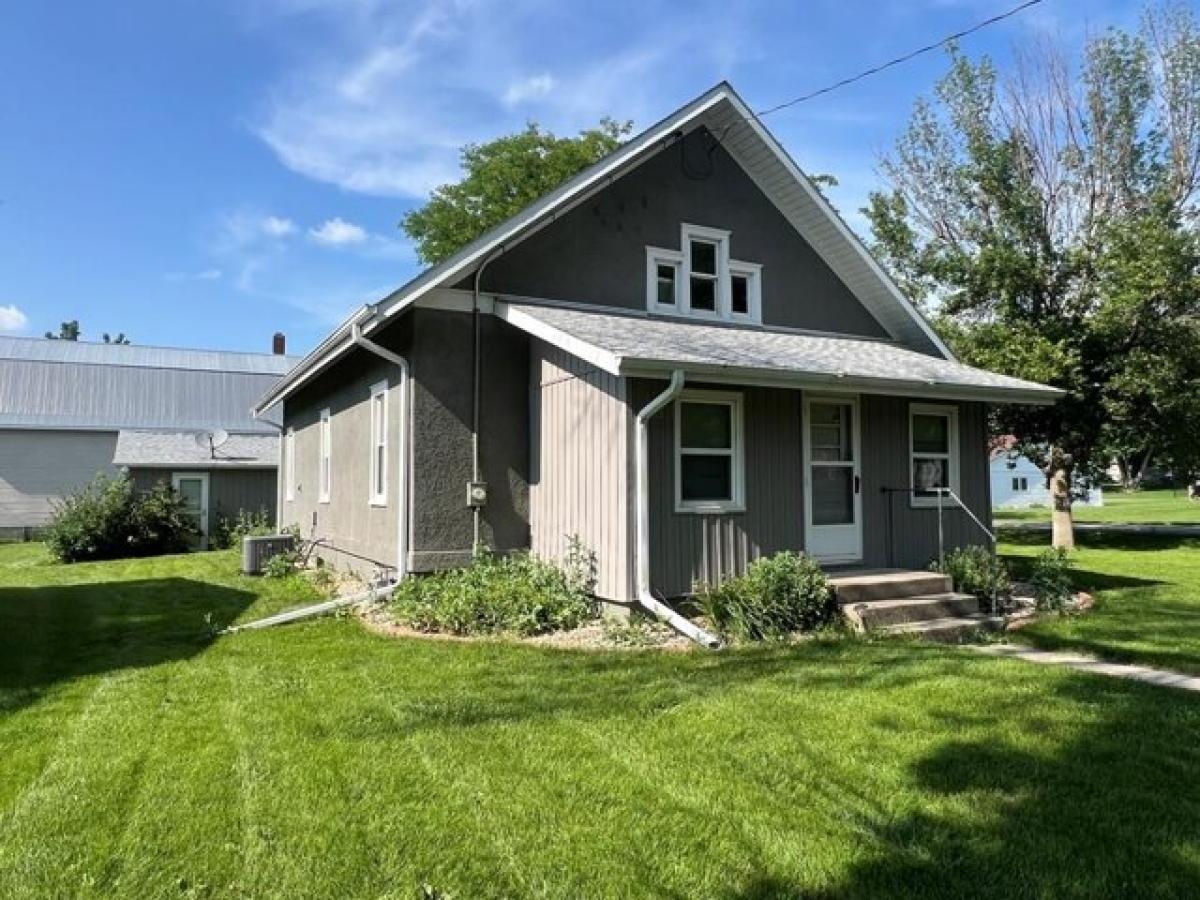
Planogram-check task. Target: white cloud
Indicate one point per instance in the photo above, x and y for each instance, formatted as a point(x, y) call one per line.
point(274, 226)
point(337, 232)
point(12, 320)
point(385, 103)
point(532, 88)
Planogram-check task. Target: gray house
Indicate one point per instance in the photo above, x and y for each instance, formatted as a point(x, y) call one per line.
point(682, 355)
point(70, 410)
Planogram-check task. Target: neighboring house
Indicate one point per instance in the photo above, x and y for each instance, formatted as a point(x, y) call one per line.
point(70, 410)
point(684, 357)
point(1017, 482)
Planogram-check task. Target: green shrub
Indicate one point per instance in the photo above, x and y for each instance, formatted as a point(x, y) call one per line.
point(776, 596)
point(229, 532)
point(110, 519)
point(518, 593)
point(281, 565)
point(1050, 578)
point(976, 571)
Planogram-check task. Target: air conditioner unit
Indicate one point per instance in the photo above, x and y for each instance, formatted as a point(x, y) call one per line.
point(257, 549)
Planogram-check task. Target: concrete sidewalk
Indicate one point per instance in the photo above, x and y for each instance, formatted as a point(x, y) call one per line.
point(1160, 677)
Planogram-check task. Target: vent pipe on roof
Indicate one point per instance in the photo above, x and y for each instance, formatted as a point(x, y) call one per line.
point(279, 344)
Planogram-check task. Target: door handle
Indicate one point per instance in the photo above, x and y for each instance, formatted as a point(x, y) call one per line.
point(857, 484)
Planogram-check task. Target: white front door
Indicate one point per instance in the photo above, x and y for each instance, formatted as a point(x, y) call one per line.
point(193, 488)
point(832, 482)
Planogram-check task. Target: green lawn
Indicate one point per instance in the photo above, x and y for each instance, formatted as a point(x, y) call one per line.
point(142, 757)
point(1138, 507)
point(1147, 593)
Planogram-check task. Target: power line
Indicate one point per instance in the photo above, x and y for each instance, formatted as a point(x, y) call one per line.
point(899, 59)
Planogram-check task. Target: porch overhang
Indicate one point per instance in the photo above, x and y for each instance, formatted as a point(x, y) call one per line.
point(640, 346)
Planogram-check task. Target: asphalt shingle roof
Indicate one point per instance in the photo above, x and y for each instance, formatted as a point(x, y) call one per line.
point(640, 342)
point(180, 448)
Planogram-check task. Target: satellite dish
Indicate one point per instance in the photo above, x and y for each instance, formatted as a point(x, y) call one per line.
point(211, 440)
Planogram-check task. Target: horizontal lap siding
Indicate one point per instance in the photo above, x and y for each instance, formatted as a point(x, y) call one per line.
point(37, 468)
point(894, 533)
point(686, 548)
point(579, 473)
point(230, 491)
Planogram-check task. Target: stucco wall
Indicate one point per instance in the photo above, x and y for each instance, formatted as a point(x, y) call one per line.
point(596, 252)
point(363, 537)
point(39, 467)
point(437, 345)
point(441, 364)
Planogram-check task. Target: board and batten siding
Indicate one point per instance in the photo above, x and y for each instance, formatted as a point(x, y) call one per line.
point(894, 532)
point(687, 548)
point(37, 468)
point(230, 491)
point(579, 473)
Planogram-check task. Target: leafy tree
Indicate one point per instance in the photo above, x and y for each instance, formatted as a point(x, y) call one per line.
point(502, 177)
point(67, 331)
point(70, 331)
point(1047, 220)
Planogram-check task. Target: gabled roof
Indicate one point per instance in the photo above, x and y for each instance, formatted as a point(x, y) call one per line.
point(143, 357)
point(640, 345)
point(724, 113)
point(179, 448)
point(73, 385)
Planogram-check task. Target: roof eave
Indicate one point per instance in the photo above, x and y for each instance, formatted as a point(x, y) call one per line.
point(661, 368)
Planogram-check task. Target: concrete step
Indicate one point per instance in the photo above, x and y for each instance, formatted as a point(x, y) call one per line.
point(888, 584)
point(948, 630)
point(898, 610)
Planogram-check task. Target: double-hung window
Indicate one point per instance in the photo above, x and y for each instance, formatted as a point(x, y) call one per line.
point(325, 464)
point(933, 452)
point(289, 464)
point(1020, 484)
point(709, 465)
point(379, 444)
point(701, 280)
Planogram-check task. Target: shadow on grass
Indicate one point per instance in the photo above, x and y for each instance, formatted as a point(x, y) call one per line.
point(1099, 540)
point(1115, 812)
point(56, 633)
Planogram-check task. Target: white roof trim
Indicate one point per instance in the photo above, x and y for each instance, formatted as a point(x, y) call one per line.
point(597, 356)
point(578, 189)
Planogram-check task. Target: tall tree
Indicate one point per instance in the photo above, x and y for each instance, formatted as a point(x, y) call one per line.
point(502, 177)
point(67, 331)
point(70, 331)
point(1020, 212)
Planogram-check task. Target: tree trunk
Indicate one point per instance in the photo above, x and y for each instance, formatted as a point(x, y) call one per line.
point(1062, 526)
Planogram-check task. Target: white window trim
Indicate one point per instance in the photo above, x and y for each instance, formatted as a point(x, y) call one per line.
point(289, 464)
point(752, 272)
point(325, 458)
point(737, 503)
point(931, 409)
point(1020, 484)
point(681, 260)
point(378, 498)
point(656, 256)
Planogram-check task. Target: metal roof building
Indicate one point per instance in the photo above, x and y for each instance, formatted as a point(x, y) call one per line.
point(63, 404)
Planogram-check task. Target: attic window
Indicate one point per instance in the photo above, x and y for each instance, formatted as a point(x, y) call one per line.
point(701, 280)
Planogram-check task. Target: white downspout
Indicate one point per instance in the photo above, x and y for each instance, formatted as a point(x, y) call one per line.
point(642, 520)
point(402, 474)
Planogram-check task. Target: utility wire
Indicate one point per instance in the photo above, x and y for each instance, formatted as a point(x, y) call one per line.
point(899, 59)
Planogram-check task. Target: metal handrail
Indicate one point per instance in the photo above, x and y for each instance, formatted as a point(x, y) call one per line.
point(949, 492)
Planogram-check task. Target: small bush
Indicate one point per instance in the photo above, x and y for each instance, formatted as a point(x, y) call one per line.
point(110, 519)
point(1050, 578)
point(229, 532)
point(975, 571)
point(776, 596)
point(281, 565)
point(518, 593)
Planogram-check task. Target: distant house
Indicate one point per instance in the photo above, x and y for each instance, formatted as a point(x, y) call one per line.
point(1018, 483)
point(70, 410)
point(682, 356)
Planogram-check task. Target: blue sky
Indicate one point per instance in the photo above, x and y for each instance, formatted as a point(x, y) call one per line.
point(203, 173)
